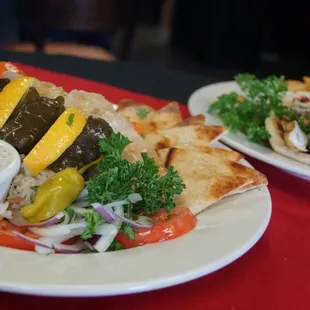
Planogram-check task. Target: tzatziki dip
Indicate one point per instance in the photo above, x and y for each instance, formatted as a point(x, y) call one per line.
point(9, 167)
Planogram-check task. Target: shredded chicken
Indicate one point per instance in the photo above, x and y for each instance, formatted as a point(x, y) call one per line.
point(294, 137)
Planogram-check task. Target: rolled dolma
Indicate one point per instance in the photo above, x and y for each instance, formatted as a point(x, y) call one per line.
point(85, 148)
point(3, 83)
point(30, 120)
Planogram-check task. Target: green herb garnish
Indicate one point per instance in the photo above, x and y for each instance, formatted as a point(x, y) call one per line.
point(34, 188)
point(70, 119)
point(93, 219)
point(71, 213)
point(142, 113)
point(118, 178)
point(115, 246)
point(128, 231)
point(258, 100)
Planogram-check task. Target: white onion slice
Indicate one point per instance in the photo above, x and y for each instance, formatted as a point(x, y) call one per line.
point(143, 222)
point(108, 232)
point(80, 204)
point(106, 210)
point(58, 230)
point(20, 221)
point(61, 248)
point(83, 195)
point(3, 207)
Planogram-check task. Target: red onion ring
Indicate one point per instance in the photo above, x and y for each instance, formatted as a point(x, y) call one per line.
point(60, 248)
point(20, 221)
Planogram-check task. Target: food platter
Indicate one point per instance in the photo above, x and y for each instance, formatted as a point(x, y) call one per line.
point(105, 201)
point(199, 103)
point(224, 232)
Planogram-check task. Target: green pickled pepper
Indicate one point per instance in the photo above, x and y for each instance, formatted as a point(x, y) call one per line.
point(54, 195)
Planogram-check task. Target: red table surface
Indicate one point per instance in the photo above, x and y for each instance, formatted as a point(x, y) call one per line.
point(274, 274)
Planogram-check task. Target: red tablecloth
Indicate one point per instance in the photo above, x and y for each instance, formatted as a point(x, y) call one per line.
point(274, 274)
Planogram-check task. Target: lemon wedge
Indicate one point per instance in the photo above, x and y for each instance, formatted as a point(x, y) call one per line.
point(10, 96)
point(59, 137)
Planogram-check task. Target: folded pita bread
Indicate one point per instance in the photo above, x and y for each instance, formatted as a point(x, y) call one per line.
point(194, 120)
point(166, 117)
point(130, 109)
point(278, 144)
point(221, 153)
point(209, 178)
point(196, 135)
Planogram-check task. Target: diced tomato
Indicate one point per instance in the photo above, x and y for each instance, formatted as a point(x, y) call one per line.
point(138, 127)
point(165, 226)
point(10, 240)
point(8, 66)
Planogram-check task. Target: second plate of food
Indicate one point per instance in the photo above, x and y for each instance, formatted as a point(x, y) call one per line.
point(200, 102)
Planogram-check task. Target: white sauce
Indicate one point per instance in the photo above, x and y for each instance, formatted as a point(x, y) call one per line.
point(6, 157)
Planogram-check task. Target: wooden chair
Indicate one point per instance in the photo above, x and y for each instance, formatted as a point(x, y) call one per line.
point(83, 16)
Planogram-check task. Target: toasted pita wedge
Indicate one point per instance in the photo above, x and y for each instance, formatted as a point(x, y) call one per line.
point(194, 120)
point(135, 111)
point(166, 117)
point(208, 178)
point(222, 153)
point(277, 142)
point(196, 135)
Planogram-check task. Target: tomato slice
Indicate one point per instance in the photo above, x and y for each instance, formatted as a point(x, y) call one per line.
point(10, 240)
point(8, 66)
point(138, 127)
point(165, 226)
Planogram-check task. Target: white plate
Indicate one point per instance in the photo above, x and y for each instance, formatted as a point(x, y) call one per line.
point(199, 103)
point(224, 232)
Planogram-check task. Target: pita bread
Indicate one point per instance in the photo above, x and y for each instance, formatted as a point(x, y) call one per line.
point(209, 178)
point(166, 117)
point(221, 153)
point(194, 120)
point(130, 109)
point(278, 144)
point(196, 135)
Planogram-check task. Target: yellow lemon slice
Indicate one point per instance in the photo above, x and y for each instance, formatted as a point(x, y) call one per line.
point(10, 96)
point(59, 137)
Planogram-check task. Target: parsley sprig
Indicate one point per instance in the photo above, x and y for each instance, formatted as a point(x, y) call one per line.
point(118, 178)
point(259, 98)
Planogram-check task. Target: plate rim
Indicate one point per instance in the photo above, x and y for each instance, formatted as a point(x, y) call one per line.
point(228, 140)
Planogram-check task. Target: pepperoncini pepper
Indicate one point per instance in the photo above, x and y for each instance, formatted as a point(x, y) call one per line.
point(54, 195)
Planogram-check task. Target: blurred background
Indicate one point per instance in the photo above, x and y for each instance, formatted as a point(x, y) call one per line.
point(218, 37)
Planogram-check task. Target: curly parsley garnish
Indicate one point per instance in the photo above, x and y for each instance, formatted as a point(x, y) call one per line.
point(259, 98)
point(118, 178)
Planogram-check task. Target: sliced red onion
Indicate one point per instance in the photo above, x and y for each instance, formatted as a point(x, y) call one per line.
point(143, 222)
point(42, 250)
point(104, 212)
point(59, 230)
point(20, 221)
point(61, 248)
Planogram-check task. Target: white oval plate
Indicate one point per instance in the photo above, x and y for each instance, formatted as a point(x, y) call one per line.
point(199, 103)
point(224, 232)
